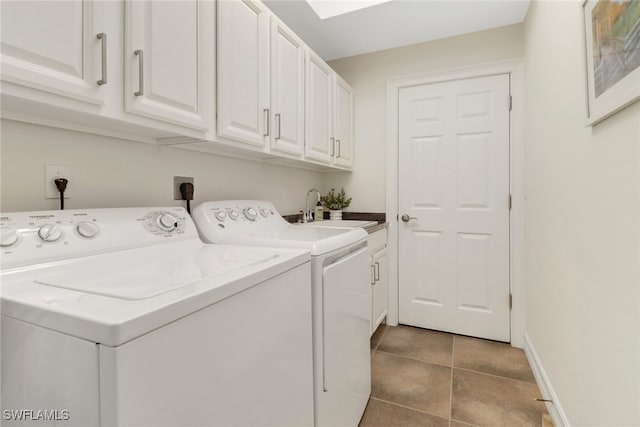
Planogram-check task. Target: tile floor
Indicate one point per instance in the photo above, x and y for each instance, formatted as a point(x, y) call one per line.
point(428, 378)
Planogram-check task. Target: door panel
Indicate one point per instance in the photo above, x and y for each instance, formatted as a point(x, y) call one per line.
point(287, 90)
point(318, 109)
point(454, 182)
point(343, 155)
point(53, 46)
point(243, 71)
point(346, 364)
point(176, 41)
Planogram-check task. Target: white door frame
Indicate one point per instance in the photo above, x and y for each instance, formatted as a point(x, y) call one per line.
point(516, 167)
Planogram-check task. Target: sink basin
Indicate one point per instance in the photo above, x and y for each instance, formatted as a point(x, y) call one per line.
point(340, 223)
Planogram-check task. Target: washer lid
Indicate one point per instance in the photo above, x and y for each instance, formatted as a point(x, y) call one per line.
point(131, 276)
point(346, 223)
point(317, 240)
point(115, 297)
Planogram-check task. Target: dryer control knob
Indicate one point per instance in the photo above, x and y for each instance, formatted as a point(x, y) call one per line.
point(221, 216)
point(8, 236)
point(87, 230)
point(250, 214)
point(233, 214)
point(50, 233)
point(167, 222)
point(264, 212)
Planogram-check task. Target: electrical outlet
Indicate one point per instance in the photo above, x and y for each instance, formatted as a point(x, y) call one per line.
point(52, 172)
point(177, 180)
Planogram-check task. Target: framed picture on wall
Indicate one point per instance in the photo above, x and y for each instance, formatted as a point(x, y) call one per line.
point(612, 46)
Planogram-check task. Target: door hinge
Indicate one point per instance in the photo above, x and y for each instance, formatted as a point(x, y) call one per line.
point(510, 301)
point(510, 102)
point(510, 202)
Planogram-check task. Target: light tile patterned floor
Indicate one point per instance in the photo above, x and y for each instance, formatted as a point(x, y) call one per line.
point(428, 378)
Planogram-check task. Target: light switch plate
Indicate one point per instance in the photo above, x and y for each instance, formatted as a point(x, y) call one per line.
point(52, 172)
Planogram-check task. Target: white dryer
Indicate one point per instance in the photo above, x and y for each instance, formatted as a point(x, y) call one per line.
point(341, 307)
point(123, 317)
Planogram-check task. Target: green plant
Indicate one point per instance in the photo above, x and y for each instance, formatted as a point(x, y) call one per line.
point(335, 201)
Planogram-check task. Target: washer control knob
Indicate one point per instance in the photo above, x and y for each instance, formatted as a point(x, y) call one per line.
point(250, 214)
point(88, 230)
point(50, 232)
point(167, 222)
point(264, 212)
point(8, 236)
point(233, 214)
point(221, 216)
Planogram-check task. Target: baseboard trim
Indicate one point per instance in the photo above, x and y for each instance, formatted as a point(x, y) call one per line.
point(556, 412)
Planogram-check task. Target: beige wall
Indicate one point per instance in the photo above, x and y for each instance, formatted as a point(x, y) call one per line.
point(582, 228)
point(368, 74)
point(110, 172)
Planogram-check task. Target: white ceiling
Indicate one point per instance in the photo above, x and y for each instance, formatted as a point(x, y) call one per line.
point(394, 23)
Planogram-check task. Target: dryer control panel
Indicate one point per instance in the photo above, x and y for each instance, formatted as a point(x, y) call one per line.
point(218, 220)
point(28, 238)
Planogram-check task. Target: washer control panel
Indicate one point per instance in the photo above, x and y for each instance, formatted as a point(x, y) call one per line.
point(28, 238)
point(217, 220)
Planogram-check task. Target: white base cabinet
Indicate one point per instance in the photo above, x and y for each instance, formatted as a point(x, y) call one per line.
point(379, 277)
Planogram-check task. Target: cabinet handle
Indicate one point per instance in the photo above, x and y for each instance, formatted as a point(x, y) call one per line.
point(376, 272)
point(333, 147)
point(278, 124)
point(140, 54)
point(103, 37)
point(338, 143)
point(267, 122)
point(373, 280)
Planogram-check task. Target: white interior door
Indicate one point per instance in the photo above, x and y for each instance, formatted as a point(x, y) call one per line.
point(454, 185)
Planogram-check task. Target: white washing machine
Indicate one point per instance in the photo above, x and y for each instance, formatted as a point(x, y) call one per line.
point(341, 307)
point(123, 317)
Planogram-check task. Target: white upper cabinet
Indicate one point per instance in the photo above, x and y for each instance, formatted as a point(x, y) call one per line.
point(319, 91)
point(343, 155)
point(243, 71)
point(287, 90)
point(55, 47)
point(169, 51)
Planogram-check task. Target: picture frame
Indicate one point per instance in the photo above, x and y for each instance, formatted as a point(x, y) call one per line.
point(612, 56)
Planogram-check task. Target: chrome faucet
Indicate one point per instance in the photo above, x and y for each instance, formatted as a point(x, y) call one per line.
point(307, 216)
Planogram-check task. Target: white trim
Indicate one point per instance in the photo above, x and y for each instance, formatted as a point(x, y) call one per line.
point(515, 69)
point(556, 412)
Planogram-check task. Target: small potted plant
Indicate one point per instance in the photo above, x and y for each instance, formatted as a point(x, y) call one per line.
point(335, 203)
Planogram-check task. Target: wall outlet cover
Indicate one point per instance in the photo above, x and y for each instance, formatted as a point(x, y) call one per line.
point(52, 172)
point(177, 180)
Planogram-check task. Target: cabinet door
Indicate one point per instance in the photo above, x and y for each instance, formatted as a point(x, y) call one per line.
point(379, 288)
point(287, 90)
point(243, 71)
point(344, 124)
point(53, 46)
point(169, 60)
point(318, 129)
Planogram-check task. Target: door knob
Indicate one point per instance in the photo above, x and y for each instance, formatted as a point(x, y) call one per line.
point(407, 218)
